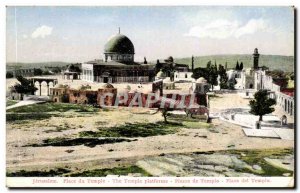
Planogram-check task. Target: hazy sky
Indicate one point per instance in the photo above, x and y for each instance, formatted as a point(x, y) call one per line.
point(78, 34)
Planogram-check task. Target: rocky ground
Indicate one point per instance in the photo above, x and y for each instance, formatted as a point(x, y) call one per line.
point(219, 164)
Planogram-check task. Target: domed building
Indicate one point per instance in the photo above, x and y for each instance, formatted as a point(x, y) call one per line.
point(118, 64)
point(119, 48)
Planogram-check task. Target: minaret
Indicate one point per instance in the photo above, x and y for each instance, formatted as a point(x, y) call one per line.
point(192, 63)
point(255, 58)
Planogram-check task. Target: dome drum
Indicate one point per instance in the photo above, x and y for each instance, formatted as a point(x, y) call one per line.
point(119, 57)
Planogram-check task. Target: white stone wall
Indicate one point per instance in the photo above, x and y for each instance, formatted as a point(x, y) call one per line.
point(183, 76)
point(286, 102)
point(87, 72)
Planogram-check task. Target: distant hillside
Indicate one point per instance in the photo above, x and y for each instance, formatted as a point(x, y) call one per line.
point(285, 63)
point(36, 65)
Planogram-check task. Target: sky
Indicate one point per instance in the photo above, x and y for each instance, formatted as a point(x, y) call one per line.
point(78, 34)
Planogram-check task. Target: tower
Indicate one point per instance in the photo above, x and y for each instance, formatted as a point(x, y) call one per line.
point(255, 58)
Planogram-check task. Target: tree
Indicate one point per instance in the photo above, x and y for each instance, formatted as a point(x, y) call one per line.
point(9, 75)
point(261, 104)
point(200, 72)
point(164, 112)
point(56, 70)
point(265, 68)
point(46, 72)
point(212, 76)
point(158, 66)
point(74, 68)
point(210, 73)
point(237, 67)
point(208, 64)
point(241, 66)
point(37, 72)
point(24, 87)
point(192, 63)
point(92, 98)
point(223, 77)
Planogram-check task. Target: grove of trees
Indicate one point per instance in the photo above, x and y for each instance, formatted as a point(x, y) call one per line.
point(211, 73)
point(24, 86)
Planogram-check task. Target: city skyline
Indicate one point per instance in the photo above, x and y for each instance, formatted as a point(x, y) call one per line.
point(78, 34)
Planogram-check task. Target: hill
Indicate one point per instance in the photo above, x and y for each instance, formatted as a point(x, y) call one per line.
point(285, 63)
point(36, 65)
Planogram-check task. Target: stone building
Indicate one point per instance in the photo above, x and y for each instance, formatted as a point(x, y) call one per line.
point(247, 78)
point(72, 72)
point(173, 70)
point(200, 86)
point(118, 64)
point(183, 76)
point(256, 78)
point(285, 99)
point(84, 96)
point(18, 71)
point(60, 94)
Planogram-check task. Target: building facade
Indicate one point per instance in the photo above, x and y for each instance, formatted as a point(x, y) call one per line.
point(256, 78)
point(84, 96)
point(25, 72)
point(118, 64)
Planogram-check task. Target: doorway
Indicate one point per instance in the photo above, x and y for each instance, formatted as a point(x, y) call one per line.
point(105, 79)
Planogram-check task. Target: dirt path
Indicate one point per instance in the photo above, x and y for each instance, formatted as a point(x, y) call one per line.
point(24, 103)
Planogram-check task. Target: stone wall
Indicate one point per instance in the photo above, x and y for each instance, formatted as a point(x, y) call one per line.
point(108, 96)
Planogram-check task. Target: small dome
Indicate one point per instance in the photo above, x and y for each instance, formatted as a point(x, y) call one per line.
point(120, 44)
point(170, 58)
point(160, 74)
point(201, 80)
point(107, 85)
